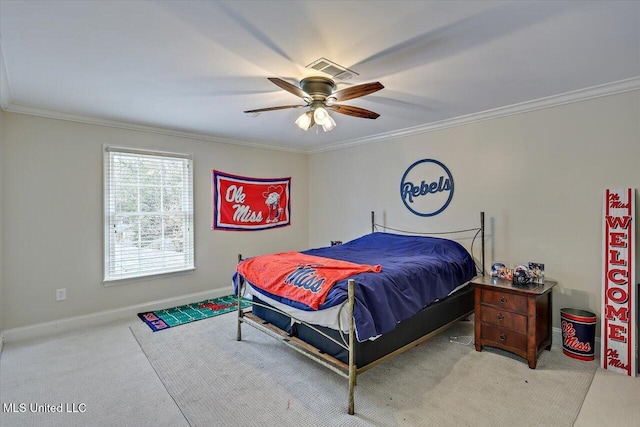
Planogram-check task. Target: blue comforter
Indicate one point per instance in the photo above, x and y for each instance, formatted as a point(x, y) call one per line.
point(416, 271)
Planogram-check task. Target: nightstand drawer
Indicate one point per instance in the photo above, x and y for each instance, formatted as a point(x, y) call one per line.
point(505, 300)
point(503, 337)
point(515, 319)
point(505, 319)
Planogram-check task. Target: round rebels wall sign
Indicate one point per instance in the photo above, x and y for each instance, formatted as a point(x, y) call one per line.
point(426, 188)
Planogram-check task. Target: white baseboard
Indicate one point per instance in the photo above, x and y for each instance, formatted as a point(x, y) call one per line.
point(102, 317)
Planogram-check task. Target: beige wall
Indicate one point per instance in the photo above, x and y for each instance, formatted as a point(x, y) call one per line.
point(539, 176)
point(2, 299)
point(52, 232)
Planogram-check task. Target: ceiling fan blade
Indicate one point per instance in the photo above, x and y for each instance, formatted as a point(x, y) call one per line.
point(289, 87)
point(356, 91)
point(353, 111)
point(282, 107)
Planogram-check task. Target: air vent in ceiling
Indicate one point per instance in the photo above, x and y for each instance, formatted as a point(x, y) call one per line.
point(334, 70)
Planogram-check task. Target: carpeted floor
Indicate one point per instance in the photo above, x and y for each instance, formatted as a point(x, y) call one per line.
point(98, 372)
point(216, 380)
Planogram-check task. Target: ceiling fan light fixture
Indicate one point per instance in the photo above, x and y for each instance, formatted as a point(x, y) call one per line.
point(304, 121)
point(320, 115)
point(322, 118)
point(329, 124)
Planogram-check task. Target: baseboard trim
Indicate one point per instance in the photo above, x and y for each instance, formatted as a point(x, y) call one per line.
point(102, 317)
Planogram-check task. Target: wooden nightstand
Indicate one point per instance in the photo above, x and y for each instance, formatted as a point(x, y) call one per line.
point(514, 318)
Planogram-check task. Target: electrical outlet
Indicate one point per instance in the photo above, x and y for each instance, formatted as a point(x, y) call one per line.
point(61, 294)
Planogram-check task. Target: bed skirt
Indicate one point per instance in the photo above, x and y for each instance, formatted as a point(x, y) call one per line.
point(427, 320)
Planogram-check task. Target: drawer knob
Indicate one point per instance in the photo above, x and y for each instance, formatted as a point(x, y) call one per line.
point(503, 300)
point(503, 337)
point(500, 316)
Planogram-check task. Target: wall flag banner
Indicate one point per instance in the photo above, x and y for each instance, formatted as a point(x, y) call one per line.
point(619, 334)
point(246, 204)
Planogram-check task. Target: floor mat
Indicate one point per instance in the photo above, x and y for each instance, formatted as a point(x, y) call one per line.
point(176, 316)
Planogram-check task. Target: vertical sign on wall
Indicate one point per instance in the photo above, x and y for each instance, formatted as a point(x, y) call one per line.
point(619, 335)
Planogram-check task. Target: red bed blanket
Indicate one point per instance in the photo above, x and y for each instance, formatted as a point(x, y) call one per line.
point(299, 277)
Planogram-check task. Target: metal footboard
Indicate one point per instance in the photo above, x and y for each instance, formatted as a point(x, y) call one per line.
point(349, 370)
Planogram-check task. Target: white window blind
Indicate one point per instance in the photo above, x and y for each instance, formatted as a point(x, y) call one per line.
point(148, 213)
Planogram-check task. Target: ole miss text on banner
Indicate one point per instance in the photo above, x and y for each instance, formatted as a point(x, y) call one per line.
point(242, 203)
point(619, 334)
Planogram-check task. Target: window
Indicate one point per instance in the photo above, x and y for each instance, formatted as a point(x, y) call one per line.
point(148, 224)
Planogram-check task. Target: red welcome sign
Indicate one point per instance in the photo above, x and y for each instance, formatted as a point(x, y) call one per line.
point(244, 204)
point(618, 337)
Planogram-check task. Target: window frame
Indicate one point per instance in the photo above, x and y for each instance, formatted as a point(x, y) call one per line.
point(189, 265)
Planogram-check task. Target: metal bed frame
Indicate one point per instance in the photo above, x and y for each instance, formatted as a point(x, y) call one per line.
point(350, 370)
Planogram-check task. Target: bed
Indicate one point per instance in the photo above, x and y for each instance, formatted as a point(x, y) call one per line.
point(403, 289)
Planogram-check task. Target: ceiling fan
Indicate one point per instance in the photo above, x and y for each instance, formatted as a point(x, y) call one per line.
point(318, 94)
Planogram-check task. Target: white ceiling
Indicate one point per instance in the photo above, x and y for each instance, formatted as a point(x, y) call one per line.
point(192, 67)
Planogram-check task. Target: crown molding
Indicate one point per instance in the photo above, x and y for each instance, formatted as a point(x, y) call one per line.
point(52, 114)
point(621, 86)
point(607, 89)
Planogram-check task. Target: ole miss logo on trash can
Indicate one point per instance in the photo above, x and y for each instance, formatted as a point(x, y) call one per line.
point(578, 333)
